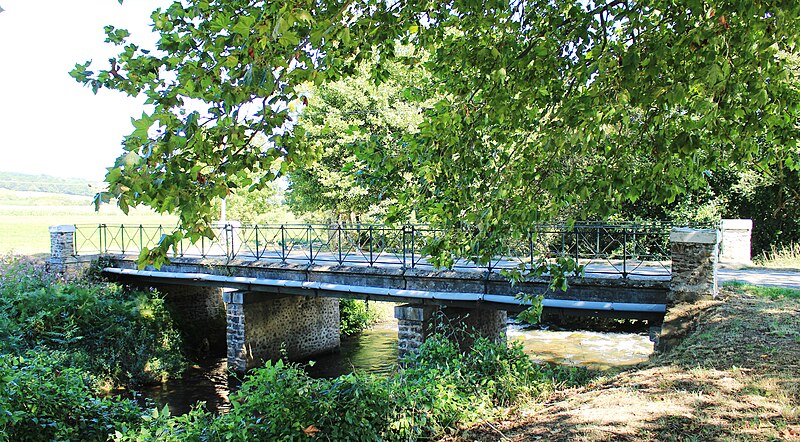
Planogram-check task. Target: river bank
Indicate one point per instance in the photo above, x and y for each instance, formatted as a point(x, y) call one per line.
point(732, 375)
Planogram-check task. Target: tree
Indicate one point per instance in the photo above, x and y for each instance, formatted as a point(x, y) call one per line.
point(545, 105)
point(340, 118)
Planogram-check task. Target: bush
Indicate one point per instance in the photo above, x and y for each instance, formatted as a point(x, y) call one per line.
point(120, 336)
point(441, 390)
point(354, 316)
point(41, 401)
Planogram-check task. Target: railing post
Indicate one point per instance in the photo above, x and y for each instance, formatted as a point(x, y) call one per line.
point(229, 241)
point(257, 248)
point(694, 264)
point(405, 229)
point(370, 246)
point(339, 241)
point(141, 238)
point(283, 244)
point(530, 245)
point(310, 246)
point(735, 242)
point(624, 253)
point(413, 246)
point(122, 237)
point(100, 229)
point(62, 247)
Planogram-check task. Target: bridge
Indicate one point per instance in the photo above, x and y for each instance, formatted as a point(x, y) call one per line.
point(264, 289)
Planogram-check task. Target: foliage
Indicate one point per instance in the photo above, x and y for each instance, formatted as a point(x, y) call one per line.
point(43, 400)
point(118, 335)
point(440, 390)
point(355, 316)
point(542, 105)
point(773, 293)
point(339, 118)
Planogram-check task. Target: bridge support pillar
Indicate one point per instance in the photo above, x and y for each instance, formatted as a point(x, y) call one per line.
point(415, 323)
point(200, 316)
point(694, 264)
point(262, 327)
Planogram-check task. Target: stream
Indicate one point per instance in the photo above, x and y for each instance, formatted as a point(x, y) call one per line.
point(375, 351)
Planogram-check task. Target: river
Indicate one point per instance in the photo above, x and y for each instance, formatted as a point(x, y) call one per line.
point(375, 351)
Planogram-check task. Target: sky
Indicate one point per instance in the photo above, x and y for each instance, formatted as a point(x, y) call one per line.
point(49, 123)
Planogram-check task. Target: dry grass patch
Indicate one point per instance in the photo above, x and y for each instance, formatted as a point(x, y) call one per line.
point(732, 375)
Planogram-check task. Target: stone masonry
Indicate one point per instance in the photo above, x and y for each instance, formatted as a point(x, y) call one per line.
point(694, 264)
point(62, 247)
point(199, 313)
point(735, 247)
point(415, 323)
point(262, 327)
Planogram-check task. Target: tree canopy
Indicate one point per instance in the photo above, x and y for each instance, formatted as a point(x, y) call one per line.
point(341, 117)
point(543, 105)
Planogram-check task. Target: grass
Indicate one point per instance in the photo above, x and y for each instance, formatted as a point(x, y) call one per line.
point(24, 227)
point(787, 257)
point(733, 375)
point(773, 293)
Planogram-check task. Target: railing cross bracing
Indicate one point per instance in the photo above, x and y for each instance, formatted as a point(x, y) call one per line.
point(624, 249)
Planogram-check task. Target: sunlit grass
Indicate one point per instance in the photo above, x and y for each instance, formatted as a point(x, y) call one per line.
point(787, 257)
point(773, 293)
point(24, 230)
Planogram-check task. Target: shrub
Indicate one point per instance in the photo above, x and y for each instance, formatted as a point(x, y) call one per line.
point(121, 336)
point(40, 400)
point(440, 390)
point(354, 316)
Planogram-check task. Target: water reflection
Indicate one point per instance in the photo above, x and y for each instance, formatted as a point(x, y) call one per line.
point(208, 382)
point(372, 351)
point(375, 351)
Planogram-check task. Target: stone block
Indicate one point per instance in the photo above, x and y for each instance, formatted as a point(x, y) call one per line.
point(696, 236)
point(694, 264)
point(736, 237)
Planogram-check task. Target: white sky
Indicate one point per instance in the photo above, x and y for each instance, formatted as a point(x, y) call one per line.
point(49, 123)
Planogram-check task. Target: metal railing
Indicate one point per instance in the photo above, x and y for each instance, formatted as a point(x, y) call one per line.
point(626, 249)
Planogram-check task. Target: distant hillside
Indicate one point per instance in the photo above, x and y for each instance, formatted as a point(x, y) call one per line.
point(47, 183)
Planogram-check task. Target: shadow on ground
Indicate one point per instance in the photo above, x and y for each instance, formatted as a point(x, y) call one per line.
point(730, 375)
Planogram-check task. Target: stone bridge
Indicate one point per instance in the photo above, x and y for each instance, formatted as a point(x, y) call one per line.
point(261, 300)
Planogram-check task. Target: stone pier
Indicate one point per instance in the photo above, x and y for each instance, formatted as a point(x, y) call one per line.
point(199, 314)
point(415, 323)
point(736, 235)
point(62, 247)
point(262, 327)
point(694, 264)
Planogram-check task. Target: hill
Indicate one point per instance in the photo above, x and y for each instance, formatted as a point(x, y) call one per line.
point(47, 183)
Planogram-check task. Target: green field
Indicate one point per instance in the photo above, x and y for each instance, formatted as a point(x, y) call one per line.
point(26, 216)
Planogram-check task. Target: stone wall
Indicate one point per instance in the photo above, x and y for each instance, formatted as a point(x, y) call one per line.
point(262, 327)
point(199, 314)
point(694, 264)
point(415, 323)
point(736, 235)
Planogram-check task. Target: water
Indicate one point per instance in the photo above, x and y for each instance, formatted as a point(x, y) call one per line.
point(597, 350)
point(375, 351)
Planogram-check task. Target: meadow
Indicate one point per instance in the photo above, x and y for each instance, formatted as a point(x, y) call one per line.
point(26, 216)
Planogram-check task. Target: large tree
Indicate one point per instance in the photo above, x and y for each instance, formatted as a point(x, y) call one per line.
point(547, 104)
point(342, 117)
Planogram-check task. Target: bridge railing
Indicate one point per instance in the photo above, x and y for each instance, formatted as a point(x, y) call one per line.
point(626, 249)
